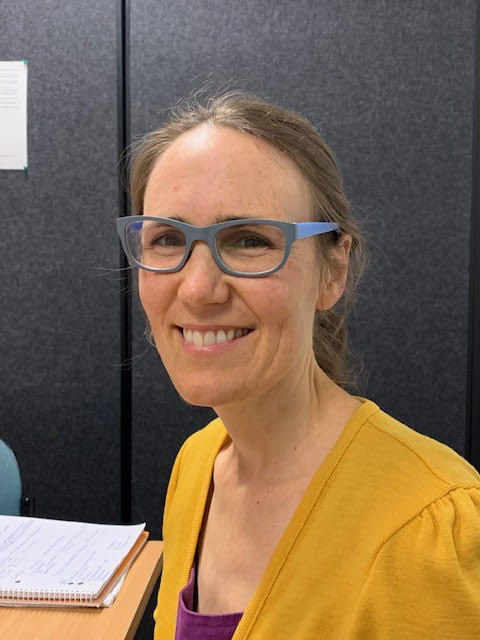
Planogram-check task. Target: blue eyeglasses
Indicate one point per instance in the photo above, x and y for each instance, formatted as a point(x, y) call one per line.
point(248, 247)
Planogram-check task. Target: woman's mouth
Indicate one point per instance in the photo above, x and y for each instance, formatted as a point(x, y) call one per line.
point(211, 337)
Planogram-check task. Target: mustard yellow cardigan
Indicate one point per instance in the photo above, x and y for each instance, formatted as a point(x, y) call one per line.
point(385, 543)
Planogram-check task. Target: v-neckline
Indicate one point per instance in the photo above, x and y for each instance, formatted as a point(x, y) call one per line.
point(296, 523)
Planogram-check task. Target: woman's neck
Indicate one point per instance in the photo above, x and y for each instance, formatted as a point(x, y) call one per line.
point(279, 436)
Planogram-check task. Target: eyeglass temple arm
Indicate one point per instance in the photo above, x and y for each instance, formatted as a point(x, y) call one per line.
point(308, 229)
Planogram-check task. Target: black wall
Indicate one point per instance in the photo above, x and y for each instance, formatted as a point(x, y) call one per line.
point(392, 88)
point(59, 327)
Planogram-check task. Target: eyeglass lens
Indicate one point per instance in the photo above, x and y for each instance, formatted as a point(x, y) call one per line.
point(247, 248)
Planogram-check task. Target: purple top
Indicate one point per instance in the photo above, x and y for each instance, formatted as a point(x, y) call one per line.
point(202, 626)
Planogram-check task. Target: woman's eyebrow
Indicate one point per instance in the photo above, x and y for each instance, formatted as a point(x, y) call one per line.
point(230, 218)
point(218, 219)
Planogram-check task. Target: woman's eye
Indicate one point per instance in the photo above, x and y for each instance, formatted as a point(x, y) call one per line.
point(167, 240)
point(251, 242)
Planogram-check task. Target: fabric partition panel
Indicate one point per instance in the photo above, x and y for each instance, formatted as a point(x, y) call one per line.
point(391, 88)
point(59, 326)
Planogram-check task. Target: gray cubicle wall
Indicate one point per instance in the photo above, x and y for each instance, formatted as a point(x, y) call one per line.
point(59, 325)
point(391, 87)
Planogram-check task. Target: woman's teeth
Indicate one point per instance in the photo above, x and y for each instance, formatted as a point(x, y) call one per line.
point(207, 338)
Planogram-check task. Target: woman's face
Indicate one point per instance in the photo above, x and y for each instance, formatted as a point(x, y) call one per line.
point(210, 174)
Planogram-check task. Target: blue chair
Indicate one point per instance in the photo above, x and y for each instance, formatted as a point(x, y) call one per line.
point(10, 482)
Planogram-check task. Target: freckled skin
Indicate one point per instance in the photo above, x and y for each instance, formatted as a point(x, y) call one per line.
point(208, 173)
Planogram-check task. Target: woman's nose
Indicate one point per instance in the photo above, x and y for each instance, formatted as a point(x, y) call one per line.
point(201, 280)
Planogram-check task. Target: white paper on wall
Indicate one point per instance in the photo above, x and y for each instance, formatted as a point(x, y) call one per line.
point(13, 114)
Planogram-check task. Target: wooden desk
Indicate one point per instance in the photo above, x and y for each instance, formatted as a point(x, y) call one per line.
point(118, 622)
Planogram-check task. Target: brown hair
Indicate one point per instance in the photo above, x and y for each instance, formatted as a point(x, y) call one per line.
point(294, 136)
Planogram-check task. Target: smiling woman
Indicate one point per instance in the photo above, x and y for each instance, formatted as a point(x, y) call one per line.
point(266, 194)
point(300, 495)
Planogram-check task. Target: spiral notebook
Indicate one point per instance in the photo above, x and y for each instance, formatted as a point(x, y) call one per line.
point(63, 563)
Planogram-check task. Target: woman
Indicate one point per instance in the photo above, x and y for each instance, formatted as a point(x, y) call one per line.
point(302, 511)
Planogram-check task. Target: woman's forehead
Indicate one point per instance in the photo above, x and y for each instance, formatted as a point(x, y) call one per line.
point(224, 165)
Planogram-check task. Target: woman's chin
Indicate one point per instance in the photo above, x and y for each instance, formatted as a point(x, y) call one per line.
point(209, 397)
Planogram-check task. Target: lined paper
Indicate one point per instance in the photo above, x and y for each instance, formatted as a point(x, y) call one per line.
point(61, 555)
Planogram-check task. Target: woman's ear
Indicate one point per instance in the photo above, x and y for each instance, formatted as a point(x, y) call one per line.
point(333, 283)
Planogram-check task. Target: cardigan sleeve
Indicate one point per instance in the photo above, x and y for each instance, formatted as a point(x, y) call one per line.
point(425, 580)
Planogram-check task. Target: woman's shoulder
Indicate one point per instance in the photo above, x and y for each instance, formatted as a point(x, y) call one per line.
point(395, 473)
point(412, 453)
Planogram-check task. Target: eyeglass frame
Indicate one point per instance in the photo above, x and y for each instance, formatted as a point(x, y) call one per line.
point(293, 231)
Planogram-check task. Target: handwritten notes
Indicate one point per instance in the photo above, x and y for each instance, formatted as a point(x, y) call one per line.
point(40, 554)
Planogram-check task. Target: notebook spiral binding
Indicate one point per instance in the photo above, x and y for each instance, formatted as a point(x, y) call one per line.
point(45, 595)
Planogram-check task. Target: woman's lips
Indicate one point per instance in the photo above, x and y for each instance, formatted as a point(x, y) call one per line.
point(209, 337)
